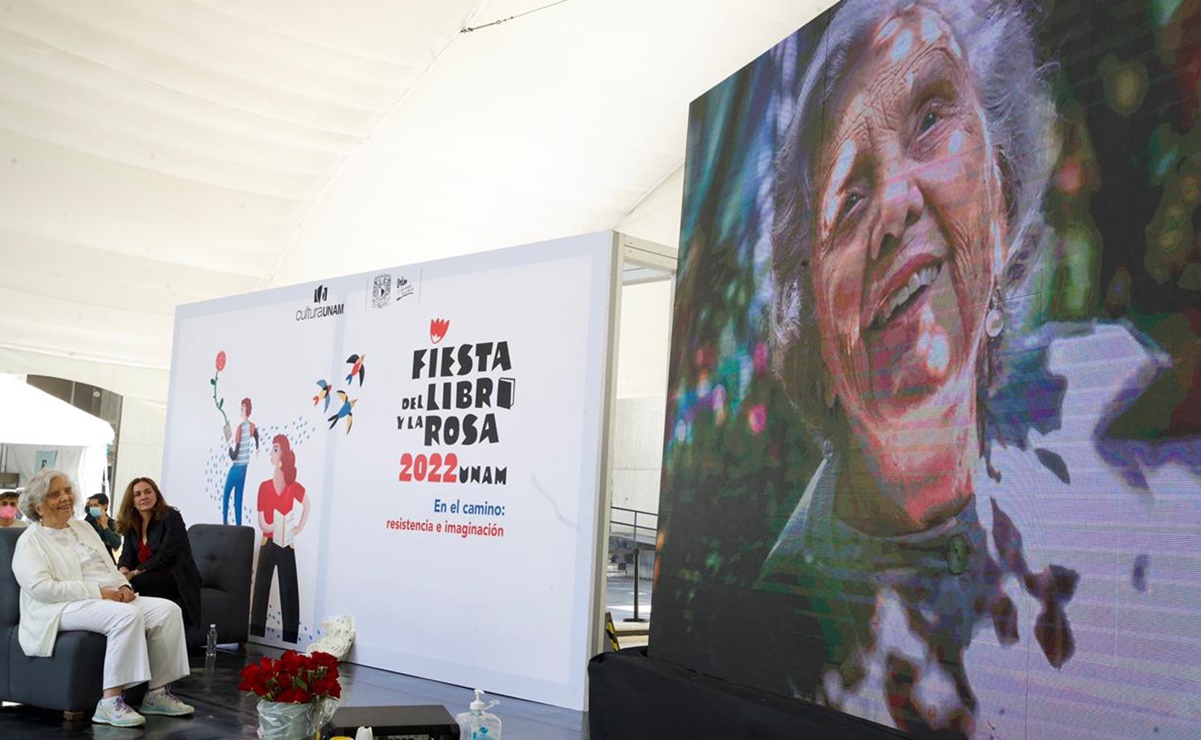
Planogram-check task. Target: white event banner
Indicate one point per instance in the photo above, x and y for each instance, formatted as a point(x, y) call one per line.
point(418, 447)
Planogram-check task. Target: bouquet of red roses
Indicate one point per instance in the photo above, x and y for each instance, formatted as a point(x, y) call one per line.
point(294, 678)
point(299, 693)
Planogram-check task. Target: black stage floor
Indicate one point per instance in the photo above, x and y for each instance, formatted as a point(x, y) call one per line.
point(224, 712)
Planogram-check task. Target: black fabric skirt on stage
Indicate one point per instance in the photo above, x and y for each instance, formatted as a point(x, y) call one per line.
point(632, 697)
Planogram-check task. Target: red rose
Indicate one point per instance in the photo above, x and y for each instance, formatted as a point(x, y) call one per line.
point(220, 360)
point(294, 678)
point(327, 686)
point(325, 660)
point(294, 695)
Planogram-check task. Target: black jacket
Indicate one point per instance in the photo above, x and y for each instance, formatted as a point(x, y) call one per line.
point(108, 535)
point(168, 539)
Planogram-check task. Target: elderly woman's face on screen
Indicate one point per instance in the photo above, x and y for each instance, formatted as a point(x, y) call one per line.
point(909, 225)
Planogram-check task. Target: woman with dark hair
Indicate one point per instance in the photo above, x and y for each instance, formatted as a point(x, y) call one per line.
point(156, 555)
point(283, 514)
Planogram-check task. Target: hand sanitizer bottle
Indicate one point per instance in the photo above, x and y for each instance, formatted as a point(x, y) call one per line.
point(478, 723)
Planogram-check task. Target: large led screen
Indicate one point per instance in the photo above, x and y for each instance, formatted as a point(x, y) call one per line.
point(933, 441)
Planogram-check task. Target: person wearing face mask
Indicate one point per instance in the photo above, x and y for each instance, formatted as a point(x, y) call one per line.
point(8, 510)
point(96, 514)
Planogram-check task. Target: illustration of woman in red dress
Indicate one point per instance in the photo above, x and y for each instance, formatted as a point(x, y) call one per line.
point(283, 513)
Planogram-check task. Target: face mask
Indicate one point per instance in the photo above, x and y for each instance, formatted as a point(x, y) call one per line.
point(95, 511)
point(8, 511)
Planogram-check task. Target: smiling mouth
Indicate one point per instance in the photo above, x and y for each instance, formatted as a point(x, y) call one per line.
point(904, 296)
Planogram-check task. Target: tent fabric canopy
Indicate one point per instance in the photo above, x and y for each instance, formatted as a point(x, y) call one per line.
point(168, 152)
point(34, 417)
point(35, 425)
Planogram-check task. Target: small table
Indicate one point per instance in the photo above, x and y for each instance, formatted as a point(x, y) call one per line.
point(431, 720)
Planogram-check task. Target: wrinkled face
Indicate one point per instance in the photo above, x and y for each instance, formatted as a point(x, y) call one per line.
point(909, 231)
point(59, 504)
point(144, 497)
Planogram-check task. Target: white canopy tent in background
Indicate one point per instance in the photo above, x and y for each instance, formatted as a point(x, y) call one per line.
point(36, 427)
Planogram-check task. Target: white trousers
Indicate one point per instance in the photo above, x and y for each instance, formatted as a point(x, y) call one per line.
point(145, 639)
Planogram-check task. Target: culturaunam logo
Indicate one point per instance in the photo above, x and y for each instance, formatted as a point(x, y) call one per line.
point(322, 308)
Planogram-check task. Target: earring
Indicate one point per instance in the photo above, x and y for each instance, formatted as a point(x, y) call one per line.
point(994, 320)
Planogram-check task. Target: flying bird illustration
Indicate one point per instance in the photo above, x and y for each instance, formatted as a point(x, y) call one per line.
point(323, 393)
point(356, 368)
point(346, 410)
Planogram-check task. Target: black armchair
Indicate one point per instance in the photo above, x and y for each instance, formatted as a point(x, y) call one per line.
point(225, 557)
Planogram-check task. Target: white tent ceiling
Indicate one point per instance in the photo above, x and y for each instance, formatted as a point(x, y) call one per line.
point(33, 417)
point(158, 153)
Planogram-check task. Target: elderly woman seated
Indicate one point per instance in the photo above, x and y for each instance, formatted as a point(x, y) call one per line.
point(69, 582)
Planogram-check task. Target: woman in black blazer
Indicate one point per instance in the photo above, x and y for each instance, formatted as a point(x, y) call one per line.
point(156, 556)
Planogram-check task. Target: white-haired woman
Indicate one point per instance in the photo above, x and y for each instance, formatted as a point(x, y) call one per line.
point(69, 582)
point(908, 213)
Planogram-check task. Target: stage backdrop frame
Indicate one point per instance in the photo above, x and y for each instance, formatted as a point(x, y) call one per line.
point(470, 614)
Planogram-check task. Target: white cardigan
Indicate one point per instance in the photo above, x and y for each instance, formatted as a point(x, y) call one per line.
point(51, 577)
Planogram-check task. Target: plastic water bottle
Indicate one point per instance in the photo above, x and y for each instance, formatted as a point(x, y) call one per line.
point(478, 723)
point(210, 647)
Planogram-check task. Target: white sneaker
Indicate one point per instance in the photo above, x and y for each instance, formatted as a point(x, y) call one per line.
point(117, 713)
point(165, 703)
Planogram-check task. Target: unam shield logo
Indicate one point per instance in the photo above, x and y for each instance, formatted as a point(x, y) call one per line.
point(381, 290)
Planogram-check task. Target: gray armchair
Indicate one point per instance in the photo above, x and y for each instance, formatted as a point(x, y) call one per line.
point(225, 557)
point(69, 680)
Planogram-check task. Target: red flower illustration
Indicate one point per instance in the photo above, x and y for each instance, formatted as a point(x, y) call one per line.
point(220, 360)
point(438, 329)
